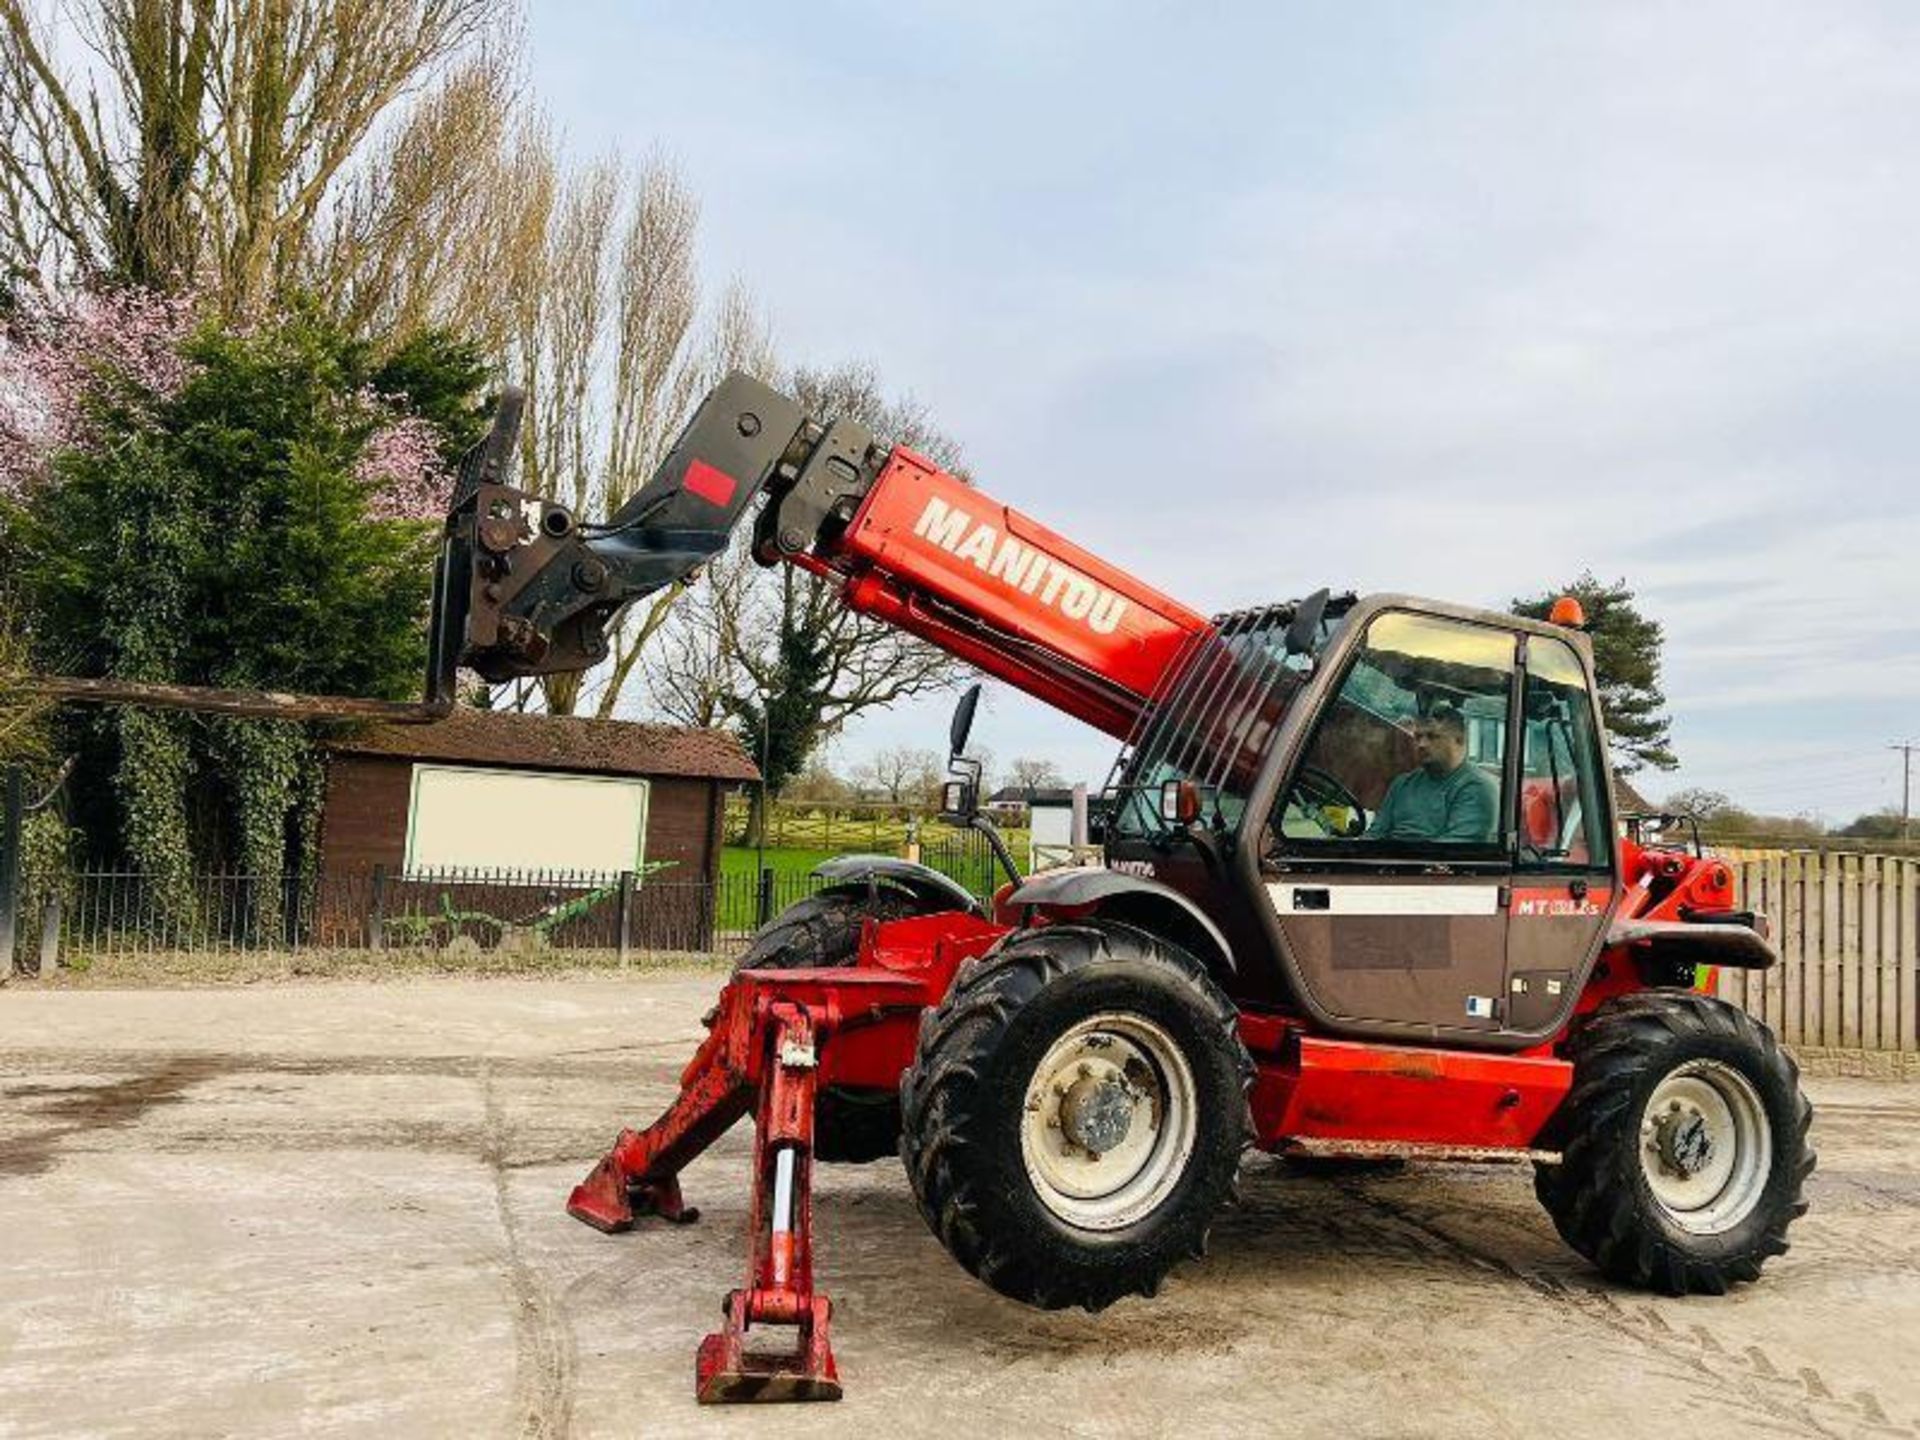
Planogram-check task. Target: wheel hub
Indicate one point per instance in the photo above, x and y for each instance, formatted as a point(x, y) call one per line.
point(1097, 1112)
point(1706, 1147)
point(1109, 1121)
point(1684, 1142)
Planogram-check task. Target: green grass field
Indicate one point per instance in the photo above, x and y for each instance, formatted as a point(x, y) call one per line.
point(743, 861)
point(792, 867)
point(881, 830)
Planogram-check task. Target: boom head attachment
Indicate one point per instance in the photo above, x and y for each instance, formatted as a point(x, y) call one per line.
point(525, 588)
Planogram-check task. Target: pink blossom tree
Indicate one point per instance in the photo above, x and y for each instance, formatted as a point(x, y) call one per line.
point(402, 463)
point(56, 350)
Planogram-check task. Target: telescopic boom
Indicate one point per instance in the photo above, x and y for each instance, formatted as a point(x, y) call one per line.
point(526, 588)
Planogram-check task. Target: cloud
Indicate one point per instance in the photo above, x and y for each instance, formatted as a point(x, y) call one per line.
point(1455, 300)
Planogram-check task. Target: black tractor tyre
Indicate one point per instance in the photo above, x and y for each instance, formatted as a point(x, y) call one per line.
point(966, 1098)
point(1601, 1195)
point(850, 1127)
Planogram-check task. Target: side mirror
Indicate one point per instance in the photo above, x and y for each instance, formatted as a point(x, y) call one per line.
point(957, 799)
point(1306, 623)
point(963, 721)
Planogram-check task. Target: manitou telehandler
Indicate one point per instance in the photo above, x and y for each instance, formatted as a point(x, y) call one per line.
point(1365, 891)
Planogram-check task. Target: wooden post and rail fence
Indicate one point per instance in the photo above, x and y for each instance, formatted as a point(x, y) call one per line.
point(1848, 928)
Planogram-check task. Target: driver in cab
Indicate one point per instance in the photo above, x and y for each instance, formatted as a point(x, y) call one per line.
point(1445, 798)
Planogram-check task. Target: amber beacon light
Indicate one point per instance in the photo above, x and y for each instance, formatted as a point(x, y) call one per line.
point(1567, 611)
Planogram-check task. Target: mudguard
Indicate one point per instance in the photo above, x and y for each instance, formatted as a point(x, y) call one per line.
point(923, 882)
point(1075, 885)
point(1684, 942)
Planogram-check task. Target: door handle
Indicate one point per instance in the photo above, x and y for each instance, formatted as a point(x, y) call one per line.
point(1312, 897)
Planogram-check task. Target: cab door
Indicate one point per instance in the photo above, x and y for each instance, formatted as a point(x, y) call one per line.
point(1390, 865)
point(1565, 880)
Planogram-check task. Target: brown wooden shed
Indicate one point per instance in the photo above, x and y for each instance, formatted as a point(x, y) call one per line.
point(487, 792)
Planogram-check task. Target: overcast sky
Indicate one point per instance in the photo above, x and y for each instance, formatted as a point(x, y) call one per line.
point(1450, 298)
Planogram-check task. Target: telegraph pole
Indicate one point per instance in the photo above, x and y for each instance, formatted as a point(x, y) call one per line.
point(1906, 750)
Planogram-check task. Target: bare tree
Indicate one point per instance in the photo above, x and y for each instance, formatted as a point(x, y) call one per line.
point(693, 662)
point(204, 141)
point(900, 775)
point(818, 784)
point(1027, 773)
point(737, 339)
point(609, 341)
point(444, 223)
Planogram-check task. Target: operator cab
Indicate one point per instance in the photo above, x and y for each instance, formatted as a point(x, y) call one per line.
point(1401, 819)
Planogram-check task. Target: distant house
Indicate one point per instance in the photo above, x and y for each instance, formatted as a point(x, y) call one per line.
point(1014, 801)
point(1047, 813)
point(1009, 803)
point(485, 792)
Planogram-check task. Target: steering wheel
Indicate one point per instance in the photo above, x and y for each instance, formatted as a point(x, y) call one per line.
point(1313, 791)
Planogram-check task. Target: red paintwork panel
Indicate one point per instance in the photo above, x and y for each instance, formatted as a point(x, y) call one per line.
point(921, 535)
point(711, 484)
point(1347, 1090)
point(1660, 885)
point(870, 1009)
point(941, 941)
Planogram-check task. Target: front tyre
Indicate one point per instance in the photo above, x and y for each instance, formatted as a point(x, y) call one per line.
point(1685, 1149)
point(1075, 1114)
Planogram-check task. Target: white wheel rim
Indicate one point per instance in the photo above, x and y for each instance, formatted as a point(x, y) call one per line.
point(1706, 1148)
point(1109, 1121)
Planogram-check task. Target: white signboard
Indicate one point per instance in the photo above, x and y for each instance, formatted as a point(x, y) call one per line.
point(466, 819)
point(1050, 841)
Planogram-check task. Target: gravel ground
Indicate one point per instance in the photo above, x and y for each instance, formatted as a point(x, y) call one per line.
point(336, 1209)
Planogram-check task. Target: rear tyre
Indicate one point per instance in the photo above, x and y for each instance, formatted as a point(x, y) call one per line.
point(1685, 1149)
point(850, 1127)
point(1075, 1114)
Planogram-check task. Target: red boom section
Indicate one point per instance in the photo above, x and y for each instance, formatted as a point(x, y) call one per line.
point(941, 560)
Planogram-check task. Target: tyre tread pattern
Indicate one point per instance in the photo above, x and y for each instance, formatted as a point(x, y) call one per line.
point(943, 1119)
point(1597, 1196)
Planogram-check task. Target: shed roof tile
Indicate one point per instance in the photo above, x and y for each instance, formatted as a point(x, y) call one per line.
point(557, 742)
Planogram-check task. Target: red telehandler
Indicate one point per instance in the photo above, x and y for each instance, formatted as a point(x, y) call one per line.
point(1365, 893)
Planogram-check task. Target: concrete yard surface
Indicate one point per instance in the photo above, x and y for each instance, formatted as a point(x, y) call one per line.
point(337, 1210)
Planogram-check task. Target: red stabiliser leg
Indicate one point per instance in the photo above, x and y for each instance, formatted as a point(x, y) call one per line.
point(640, 1174)
point(780, 1276)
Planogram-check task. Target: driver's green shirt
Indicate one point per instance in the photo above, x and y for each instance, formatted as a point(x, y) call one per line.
point(1458, 807)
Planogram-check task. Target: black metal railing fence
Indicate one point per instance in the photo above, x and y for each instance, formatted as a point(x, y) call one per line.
point(627, 916)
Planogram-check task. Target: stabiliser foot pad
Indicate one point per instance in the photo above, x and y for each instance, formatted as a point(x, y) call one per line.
point(601, 1199)
point(726, 1373)
point(609, 1201)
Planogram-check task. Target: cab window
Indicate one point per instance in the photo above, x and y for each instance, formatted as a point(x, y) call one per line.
point(1410, 758)
point(1563, 815)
